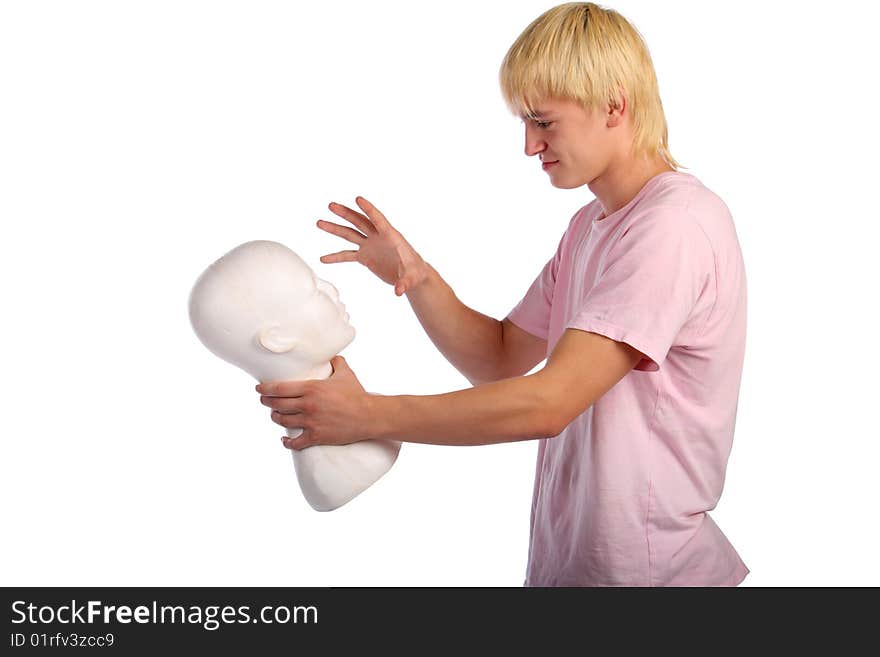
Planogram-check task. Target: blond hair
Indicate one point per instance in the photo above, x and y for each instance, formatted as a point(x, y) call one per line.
point(587, 53)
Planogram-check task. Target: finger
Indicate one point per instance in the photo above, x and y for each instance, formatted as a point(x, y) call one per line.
point(340, 256)
point(283, 404)
point(378, 219)
point(354, 217)
point(344, 232)
point(300, 442)
point(288, 421)
point(403, 284)
point(282, 388)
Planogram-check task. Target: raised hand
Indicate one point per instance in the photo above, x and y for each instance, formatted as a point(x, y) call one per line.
point(382, 249)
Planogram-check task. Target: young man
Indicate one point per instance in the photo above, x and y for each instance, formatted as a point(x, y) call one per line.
point(641, 314)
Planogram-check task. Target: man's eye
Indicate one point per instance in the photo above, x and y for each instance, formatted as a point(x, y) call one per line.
point(543, 124)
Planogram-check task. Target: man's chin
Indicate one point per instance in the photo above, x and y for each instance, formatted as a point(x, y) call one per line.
point(569, 184)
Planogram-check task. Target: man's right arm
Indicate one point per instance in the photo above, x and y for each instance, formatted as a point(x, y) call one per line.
point(482, 348)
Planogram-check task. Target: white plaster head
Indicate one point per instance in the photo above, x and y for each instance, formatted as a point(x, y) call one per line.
point(261, 308)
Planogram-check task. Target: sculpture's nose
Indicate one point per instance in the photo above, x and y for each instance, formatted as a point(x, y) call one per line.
point(328, 289)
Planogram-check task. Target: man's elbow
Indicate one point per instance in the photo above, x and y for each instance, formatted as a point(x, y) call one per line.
point(556, 412)
point(551, 420)
point(554, 425)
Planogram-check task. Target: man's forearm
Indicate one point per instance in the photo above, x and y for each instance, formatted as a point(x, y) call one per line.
point(502, 411)
point(468, 339)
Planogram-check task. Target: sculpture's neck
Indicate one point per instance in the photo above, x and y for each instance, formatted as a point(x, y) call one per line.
point(320, 372)
point(323, 371)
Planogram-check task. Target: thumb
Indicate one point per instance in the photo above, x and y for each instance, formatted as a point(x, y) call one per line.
point(298, 443)
point(338, 364)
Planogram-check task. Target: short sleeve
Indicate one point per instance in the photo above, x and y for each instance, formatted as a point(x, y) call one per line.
point(649, 285)
point(532, 313)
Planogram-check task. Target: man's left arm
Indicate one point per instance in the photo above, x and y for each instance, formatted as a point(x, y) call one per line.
point(582, 367)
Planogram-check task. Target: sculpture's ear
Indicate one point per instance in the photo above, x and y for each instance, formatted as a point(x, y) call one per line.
point(276, 339)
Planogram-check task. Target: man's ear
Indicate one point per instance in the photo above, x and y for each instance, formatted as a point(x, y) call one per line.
point(277, 340)
point(620, 105)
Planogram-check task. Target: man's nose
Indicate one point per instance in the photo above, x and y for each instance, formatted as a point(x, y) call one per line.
point(534, 143)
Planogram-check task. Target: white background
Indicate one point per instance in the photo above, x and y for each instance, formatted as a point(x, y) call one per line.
point(139, 141)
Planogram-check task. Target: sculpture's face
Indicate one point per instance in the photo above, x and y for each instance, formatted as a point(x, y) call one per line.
point(261, 307)
point(317, 320)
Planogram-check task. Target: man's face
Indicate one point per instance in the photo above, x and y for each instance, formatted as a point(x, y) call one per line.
point(578, 142)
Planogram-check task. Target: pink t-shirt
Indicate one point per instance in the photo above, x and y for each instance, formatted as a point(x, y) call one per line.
point(621, 495)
